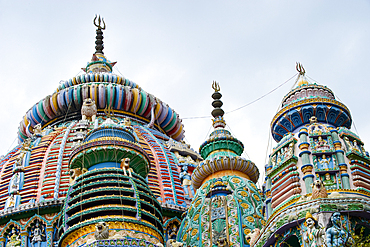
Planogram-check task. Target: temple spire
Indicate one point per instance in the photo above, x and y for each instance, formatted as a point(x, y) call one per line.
point(217, 112)
point(99, 34)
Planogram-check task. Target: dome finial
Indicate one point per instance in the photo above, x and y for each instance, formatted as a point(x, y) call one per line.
point(300, 69)
point(216, 86)
point(99, 34)
point(217, 112)
point(301, 77)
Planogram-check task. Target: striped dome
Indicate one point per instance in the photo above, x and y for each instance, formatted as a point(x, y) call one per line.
point(107, 90)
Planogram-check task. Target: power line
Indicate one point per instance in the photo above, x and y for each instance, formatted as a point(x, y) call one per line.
point(241, 107)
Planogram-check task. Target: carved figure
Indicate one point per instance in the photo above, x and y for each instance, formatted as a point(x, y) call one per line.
point(14, 183)
point(222, 242)
point(37, 130)
point(186, 181)
point(335, 234)
point(279, 161)
point(11, 201)
point(252, 236)
point(125, 165)
point(348, 143)
point(172, 231)
point(273, 161)
point(329, 183)
point(74, 173)
point(173, 243)
point(324, 162)
point(14, 239)
point(314, 235)
point(37, 235)
point(318, 190)
point(355, 146)
point(321, 143)
point(89, 110)
point(127, 121)
point(101, 230)
point(159, 244)
point(26, 145)
point(19, 161)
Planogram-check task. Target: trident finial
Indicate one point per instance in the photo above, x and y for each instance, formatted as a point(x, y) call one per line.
point(215, 86)
point(100, 21)
point(300, 69)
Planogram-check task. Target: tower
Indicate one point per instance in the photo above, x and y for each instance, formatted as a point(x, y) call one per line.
point(315, 187)
point(227, 205)
point(98, 153)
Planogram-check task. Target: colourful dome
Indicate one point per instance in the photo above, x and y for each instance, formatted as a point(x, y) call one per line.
point(66, 176)
point(305, 101)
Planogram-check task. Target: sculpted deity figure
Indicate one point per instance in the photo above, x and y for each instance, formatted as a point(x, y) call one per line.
point(37, 130)
point(322, 143)
point(336, 236)
point(278, 162)
point(14, 183)
point(19, 161)
point(329, 183)
point(11, 201)
point(273, 161)
point(37, 235)
point(348, 144)
point(14, 239)
point(355, 146)
point(314, 235)
point(324, 162)
point(186, 181)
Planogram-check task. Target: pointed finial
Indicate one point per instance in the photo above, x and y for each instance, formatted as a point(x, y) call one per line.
point(217, 112)
point(100, 21)
point(216, 86)
point(300, 69)
point(99, 34)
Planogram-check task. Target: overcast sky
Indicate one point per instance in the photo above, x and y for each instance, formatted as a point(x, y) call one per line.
point(175, 49)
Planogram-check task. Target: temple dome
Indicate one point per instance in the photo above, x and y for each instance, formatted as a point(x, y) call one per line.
point(304, 101)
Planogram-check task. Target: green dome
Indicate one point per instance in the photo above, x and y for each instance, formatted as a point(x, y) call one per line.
point(217, 211)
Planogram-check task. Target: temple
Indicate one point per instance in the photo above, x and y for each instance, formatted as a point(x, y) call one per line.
point(102, 162)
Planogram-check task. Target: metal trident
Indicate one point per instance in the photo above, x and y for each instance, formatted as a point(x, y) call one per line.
point(215, 86)
point(299, 68)
point(100, 21)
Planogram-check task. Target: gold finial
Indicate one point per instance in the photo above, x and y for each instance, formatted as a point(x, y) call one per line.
point(300, 68)
point(215, 86)
point(100, 21)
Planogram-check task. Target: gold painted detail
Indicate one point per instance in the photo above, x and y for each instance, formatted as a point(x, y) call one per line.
point(220, 174)
point(221, 150)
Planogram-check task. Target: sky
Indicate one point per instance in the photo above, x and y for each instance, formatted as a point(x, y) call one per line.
point(175, 49)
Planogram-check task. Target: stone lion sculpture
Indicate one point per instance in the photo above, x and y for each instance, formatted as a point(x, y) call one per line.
point(101, 230)
point(173, 243)
point(89, 110)
point(252, 236)
point(318, 190)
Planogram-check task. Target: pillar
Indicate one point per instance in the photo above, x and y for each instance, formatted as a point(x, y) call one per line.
point(49, 236)
point(24, 238)
point(268, 198)
point(306, 167)
point(2, 242)
point(340, 157)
